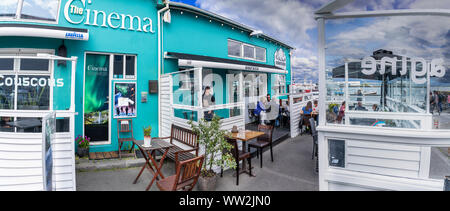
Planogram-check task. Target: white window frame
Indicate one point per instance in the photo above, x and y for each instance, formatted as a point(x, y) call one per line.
point(18, 18)
point(242, 56)
point(240, 52)
point(124, 56)
point(17, 72)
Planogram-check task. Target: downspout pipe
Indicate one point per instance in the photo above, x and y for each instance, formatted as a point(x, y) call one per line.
point(159, 63)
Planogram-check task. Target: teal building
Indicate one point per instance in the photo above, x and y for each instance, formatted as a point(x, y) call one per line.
point(124, 50)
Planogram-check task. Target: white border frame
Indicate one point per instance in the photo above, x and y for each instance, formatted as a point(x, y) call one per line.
point(135, 103)
point(242, 51)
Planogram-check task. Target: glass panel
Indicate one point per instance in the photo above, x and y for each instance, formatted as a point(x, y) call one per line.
point(34, 125)
point(255, 87)
point(249, 51)
point(185, 88)
point(223, 113)
point(234, 48)
point(388, 59)
point(186, 114)
point(34, 95)
point(260, 54)
point(7, 87)
point(130, 67)
point(336, 153)
point(40, 10)
point(223, 87)
point(8, 8)
point(440, 163)
point(62, 124)
point(7, 64)
point(4, 127)
point(278, 84)
point(34, 65)
point(118, 66)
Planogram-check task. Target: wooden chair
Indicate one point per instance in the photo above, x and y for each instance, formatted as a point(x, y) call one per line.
point(314, 134)
point(186, 175)
point(125, 126)
point(238, 156)
point(304, 123)
point(263, 141)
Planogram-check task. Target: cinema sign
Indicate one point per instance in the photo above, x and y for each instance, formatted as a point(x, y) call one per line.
point(435, 67)
point(76, 12)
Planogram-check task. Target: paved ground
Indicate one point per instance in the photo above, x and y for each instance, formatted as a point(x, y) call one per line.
point(292, 170)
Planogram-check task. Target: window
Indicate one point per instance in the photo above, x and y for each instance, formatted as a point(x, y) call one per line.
point(246, 51)
point(37, 10)
point(8, 8)
point(336, 153)
point(234, 48)
point(249, 52)
point(124, 67)
point(260, 54)
point(25, 84)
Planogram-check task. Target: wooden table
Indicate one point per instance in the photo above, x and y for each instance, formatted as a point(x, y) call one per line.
point(245, 136)
point(147, 152)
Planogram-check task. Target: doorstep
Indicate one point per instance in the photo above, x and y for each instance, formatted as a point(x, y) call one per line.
point(85, 164)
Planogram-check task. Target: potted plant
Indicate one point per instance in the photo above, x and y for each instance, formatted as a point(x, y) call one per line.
point(147, 135)
point(212, 138)
point(82, 145)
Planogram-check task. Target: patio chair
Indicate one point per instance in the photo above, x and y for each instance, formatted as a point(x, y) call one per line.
point(125, 126)
point(304, 123)
point(186, 176)
point(315, 151)
point(238, 156)
point(263, 141)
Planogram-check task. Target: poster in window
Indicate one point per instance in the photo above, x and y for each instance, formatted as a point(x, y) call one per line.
point(124, 99)
point(48, 132)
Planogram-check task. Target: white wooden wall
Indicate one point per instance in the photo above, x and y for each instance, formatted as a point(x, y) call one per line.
point(165, 105)
point(21, 162)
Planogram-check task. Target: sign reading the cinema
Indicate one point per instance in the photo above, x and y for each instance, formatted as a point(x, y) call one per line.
point(280, 59)
point(77, 12)
point(435, 67)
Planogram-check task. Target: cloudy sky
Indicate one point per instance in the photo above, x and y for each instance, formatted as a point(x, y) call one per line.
point(292, 21)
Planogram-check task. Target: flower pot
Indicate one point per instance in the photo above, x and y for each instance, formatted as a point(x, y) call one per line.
point(82, 152)
point(207, 183)
point(147, 141)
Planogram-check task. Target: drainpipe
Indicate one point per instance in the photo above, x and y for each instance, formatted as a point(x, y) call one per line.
point(159, 63)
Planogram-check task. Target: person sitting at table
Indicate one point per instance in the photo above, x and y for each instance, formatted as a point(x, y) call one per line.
point(307, 109)
point(375, 107)
point(360, 107)
point(260, 106)
point(316, 106)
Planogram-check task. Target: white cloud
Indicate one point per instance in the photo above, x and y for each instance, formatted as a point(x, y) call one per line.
point(286, 20)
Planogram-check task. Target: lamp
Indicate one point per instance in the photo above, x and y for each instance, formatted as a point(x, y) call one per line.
point(62, 51)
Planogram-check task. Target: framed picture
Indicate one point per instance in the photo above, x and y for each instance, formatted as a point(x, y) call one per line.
point(124, 100)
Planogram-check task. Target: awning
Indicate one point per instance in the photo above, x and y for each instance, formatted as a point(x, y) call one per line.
point(34, 30)
point(191, 60)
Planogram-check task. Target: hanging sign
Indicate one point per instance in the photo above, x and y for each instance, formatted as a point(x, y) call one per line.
point(77, 12)
point(280, 59)
point(435, 67)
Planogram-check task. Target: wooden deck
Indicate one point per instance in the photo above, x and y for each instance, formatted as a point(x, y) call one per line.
point(105, 155)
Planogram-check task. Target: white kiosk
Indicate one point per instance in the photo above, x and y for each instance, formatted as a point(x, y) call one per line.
point(385, 138)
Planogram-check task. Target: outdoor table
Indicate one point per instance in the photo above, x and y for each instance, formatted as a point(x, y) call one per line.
point(157, 144)
point(245, 136)
point(26, 123)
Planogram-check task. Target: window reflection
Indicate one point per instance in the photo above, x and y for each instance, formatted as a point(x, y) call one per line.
point(8, 8)
point(34, 97)
point(40, 10)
